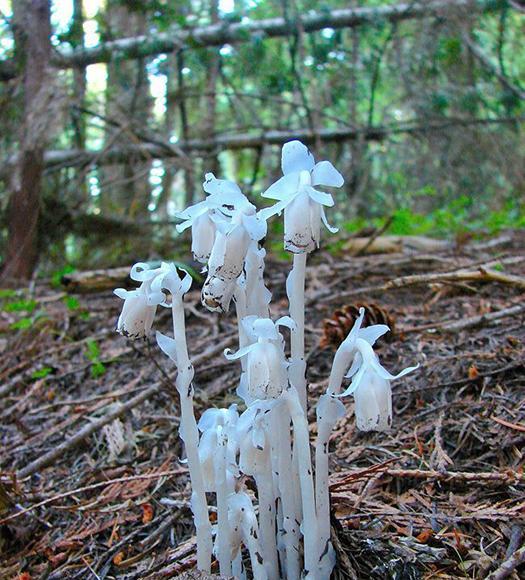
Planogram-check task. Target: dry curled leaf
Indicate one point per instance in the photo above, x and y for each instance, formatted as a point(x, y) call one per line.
point(147, 513)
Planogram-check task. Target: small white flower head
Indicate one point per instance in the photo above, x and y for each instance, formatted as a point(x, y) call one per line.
point(252, 429)
point(257, 295)
point(370, 380)
point(303, 204)
point(228, 255)
point(212, 424)
point(224, 197)
point(266, 374)
point(171, 286)
point(140, 305)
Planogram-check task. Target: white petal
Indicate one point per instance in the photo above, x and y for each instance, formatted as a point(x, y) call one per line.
point(321, 197)
point(384, 374)
point(283, 188)
point(240, 353)
point(155, 298)
point(324, 173)
point(141, 272)
point(265, 328)
point(296, 157)
point(121, 293)
point(186, 282)
point(286, 321)
point(255, 227)
point(167, 345)
point(331, 229)
point(216, 186)
point(210, 419)
point(356, 382)
point(372, 333)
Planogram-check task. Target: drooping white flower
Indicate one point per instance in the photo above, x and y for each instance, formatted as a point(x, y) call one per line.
point(295, 193)
point(209, 424)
point(371, 387)
point(140, 305)
point(171, 286)
point(228, 255)
point(266, 374)
point(224, 197)
point(252, 429)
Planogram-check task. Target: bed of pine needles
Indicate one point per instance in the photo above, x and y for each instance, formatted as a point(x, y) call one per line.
point(92, 484)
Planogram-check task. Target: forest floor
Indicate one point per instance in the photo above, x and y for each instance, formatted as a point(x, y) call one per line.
point(92, 485)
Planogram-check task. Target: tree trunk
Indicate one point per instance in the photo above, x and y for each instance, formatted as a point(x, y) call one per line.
point(126, 188)
point(33, 50)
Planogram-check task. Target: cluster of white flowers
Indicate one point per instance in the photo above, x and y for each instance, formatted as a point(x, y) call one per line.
point(286, 531)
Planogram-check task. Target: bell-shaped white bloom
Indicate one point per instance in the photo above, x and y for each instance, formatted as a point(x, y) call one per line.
point(295, 193)
point(252, 429)
point(224, 197)
point(169, 284)
point(257, 295)
point(209, 424)
point(266, 367)
point(140, 305)
point(228, 255)
point(371, 388)
point(172, 282)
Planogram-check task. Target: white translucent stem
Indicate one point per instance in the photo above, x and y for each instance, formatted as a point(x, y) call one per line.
point(240, 308)
point(295, 289)
point(302, 446)
point(280, 436)
point(223, 491)
point(321, 482)
point(342, 360)
point(250, 531)
point(264, 481)
point(238, 568)
point(190, 435)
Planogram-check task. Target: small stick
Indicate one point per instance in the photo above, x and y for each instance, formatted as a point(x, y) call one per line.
point(508, 567)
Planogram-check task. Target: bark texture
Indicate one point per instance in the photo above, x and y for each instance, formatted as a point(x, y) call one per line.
point(33, 49)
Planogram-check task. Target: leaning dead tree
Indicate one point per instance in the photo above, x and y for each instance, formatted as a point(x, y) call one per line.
point(229, 33)
point(59, 159)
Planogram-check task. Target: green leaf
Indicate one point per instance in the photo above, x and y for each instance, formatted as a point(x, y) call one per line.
point(42, 373)
point(21, 306)
point(56, 277)
point(22, 324)
point(97, 370)
point(7, 293)
point(71, 303)
point(93, 350)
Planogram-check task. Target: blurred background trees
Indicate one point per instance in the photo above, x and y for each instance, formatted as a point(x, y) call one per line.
point(112, 110)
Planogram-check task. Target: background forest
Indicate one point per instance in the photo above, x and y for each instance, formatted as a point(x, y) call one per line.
point(113, 110)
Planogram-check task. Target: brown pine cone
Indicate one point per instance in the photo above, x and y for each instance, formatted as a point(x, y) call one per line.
point(336, 328)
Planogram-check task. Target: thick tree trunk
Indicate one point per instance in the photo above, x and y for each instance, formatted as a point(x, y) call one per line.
point(33, 48)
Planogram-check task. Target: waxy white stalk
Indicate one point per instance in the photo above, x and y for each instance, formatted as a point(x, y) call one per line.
point(177, 350)
point(241, 505)
point(309, 523)
point(282, 448)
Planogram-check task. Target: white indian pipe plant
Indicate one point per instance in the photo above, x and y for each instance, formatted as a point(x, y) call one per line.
point(285, 526)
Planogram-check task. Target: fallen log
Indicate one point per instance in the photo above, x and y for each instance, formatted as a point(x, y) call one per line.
point(96, 280)
point(394, 245)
